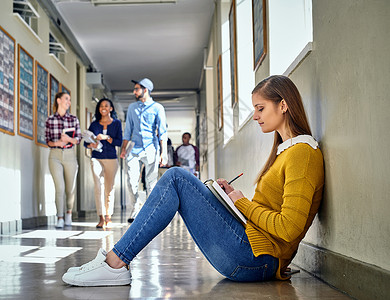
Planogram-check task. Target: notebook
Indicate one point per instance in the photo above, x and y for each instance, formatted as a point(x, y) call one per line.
point(220, 194)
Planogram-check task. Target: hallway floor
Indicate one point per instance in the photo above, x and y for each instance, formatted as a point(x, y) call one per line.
point(171, 267)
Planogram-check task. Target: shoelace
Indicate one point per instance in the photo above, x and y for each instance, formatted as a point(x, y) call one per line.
point(90, 265)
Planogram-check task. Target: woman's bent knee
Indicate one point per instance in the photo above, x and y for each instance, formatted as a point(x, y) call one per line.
point(174, 172)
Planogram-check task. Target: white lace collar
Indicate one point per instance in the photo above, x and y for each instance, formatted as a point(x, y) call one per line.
point(307, 139)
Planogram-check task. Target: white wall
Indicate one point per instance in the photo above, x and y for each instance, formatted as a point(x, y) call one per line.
point(24, 173)
point(344, 84)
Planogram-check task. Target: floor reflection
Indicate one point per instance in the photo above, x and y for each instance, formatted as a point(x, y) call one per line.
point(170, 267)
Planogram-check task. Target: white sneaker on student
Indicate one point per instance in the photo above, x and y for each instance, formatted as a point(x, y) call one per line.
point(68, 219)
point(60, 223)
point(101, 253)
point(97, 273)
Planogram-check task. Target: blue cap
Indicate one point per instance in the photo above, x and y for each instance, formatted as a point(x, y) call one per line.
point(145, 82)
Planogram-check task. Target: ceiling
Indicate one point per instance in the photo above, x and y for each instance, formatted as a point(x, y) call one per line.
point(162, 41)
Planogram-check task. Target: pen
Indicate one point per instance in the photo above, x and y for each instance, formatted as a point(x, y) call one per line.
point(235, 178)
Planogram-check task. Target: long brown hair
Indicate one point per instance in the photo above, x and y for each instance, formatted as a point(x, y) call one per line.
point(55, 104)
point(277, 88)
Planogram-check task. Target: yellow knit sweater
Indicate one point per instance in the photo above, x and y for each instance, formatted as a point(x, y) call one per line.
point(285, 202)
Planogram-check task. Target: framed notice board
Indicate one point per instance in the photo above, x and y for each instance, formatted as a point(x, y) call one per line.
point(233, 53)
point(7, 82)
point(259, 32)
point(64, 89)
point(42, 107)
point(26, 94)
point(54, 89)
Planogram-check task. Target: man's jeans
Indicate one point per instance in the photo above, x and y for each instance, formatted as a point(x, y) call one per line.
point(150, 159)
point(220, 237)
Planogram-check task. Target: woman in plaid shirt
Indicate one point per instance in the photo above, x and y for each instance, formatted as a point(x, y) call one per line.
point(62, 133)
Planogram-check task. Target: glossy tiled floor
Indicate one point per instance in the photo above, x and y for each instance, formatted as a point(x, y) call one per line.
point(32, 263)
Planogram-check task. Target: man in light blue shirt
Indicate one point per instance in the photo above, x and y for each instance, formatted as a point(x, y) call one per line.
point(146, 128)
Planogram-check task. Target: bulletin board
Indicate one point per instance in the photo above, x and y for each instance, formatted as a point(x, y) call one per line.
point(54, 89)
point(64, 89)
point(7, 82)
point(42, 107)
point(25, 94)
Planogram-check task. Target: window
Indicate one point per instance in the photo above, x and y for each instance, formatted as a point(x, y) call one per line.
point(26, 11)
point(246, 76)
point(291, 31)
point(226, 84)
point(56, 49)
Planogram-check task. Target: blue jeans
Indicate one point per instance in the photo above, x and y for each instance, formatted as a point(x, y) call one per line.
point(220, 237)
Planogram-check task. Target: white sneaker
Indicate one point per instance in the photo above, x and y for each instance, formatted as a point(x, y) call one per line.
point(97, 273)
point(100, 253)
point(76, 269)
point(68, 219)
point(60, 223)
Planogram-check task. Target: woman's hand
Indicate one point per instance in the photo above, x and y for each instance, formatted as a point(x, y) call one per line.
point(224, 185)
point(59, 143)
point(229, 190)
point(93, 145)
point(101, 137)
point(66, 138)
point(235, 195)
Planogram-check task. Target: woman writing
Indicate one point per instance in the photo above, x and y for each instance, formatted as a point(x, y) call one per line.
point(286, 199)
point(104, 163)
point(62, 133)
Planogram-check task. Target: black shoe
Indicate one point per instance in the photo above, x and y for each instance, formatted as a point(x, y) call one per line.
point(130, 220)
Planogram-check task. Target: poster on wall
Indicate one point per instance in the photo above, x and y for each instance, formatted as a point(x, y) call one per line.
point(64, 89)
point(54, 89)
point(7, 82)
point(233, 53)
point(41, 109)
point(259, 22)
point(26, 94)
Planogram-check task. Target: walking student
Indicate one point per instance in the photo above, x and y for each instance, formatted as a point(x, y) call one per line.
point(286, 199)
point(104, 162)
point(146, 127)
point(62, 133)
point(187, 155)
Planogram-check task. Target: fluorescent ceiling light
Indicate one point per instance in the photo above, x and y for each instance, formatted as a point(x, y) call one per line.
point(129, 2)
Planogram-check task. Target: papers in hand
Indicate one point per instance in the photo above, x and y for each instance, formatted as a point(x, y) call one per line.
point(220, 194)
point(90, 138)
point(129, 147)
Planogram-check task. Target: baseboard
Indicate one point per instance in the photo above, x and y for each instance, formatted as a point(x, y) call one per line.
point(87, 214)
point(34, 222)
point(357, 279)
point(10, 227)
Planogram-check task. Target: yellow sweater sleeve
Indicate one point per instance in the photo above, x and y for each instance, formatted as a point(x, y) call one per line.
point(295, 194)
